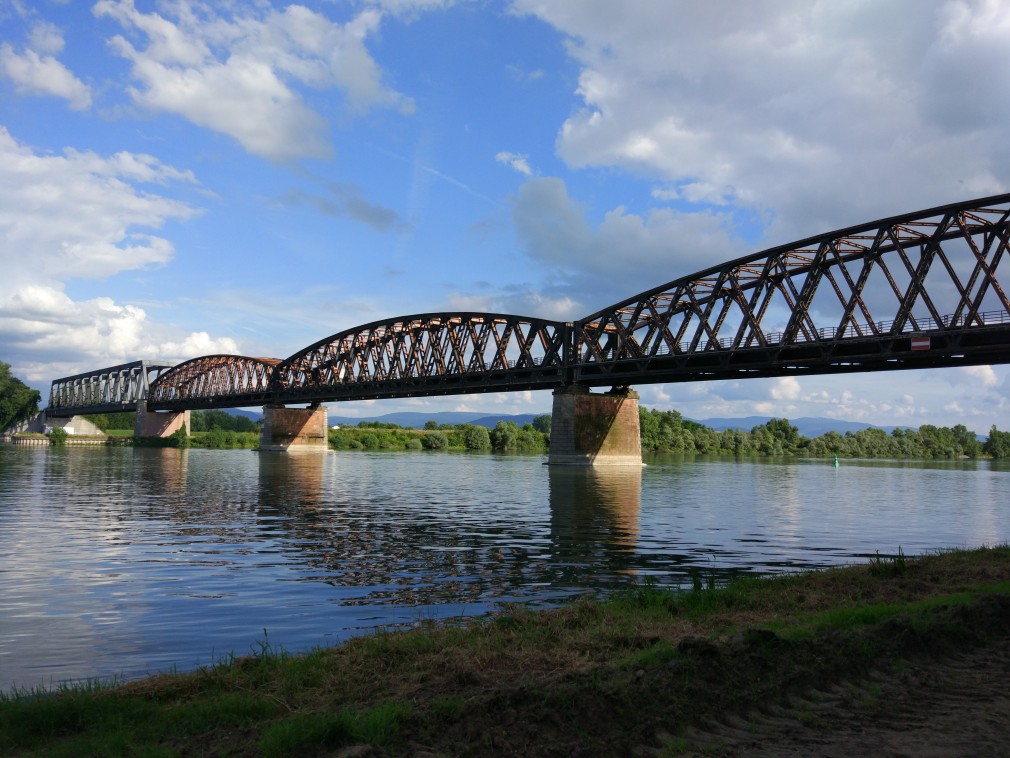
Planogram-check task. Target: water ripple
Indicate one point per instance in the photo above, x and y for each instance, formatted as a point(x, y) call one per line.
point(126, 561)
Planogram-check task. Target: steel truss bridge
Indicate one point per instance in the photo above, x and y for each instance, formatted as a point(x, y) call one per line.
point(920, 290)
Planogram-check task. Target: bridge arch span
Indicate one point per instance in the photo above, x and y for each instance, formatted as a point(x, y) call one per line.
point(428, 354)
point(912, 291)
point(226, 381)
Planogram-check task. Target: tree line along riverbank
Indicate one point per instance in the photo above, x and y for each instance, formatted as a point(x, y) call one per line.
point(661, 431)
point(909, 651)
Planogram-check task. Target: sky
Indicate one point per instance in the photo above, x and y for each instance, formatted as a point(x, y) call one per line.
point(182, 178)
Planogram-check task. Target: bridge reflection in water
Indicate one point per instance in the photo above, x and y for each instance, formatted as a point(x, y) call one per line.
point(143, 559)
point(382, 545)
point(343, 525)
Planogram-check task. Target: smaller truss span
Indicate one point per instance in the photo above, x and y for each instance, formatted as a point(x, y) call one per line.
point(107, 390)
point(428, 354)
point(214, 381)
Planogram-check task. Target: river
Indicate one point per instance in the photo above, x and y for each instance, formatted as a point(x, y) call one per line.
point(128, 561)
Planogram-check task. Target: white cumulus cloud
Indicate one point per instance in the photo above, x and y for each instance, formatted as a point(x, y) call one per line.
point(625, 253)
point(81, 215)
point(820, 114)
point(36, 70)
point(240, 74)
point(785, 388)
point(516, 161)
point(981, 375)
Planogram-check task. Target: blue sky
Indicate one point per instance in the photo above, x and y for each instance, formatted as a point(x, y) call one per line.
point(183, 178)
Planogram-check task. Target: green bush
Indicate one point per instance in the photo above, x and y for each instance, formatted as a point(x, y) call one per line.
point(206, 421)
point(435, 441)
point(667, 431)
point(220, 439)
point(58, 436)
point(507, 437)
point(998, 444)
point(370, 441)
point(476, 437)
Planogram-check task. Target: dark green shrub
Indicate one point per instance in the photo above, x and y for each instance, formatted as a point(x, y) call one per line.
point(435, 441)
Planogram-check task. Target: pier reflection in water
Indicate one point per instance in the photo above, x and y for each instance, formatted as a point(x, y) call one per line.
point(594, 521)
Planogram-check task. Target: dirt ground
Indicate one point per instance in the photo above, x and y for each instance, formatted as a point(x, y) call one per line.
point(955, 706)
point(932, 689)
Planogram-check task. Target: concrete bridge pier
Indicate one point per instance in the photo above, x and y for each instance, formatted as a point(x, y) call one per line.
point(294, 429)
point(595, 429)
point(158, 423)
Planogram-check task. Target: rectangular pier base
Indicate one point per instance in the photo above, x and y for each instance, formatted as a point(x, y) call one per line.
point(595, 430)
point(158, 423)
point(294, 429)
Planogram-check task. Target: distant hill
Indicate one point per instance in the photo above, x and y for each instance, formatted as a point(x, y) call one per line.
point(414, 420)
point(520, 419)
point(256, 416)
point(809, 426)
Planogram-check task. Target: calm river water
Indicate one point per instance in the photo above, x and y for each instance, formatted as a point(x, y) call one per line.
point(124, 562)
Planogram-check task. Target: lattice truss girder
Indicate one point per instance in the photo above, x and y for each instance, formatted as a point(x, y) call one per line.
point(426, 346)
point(935, 270)
point(215, 376)
point(119, 385)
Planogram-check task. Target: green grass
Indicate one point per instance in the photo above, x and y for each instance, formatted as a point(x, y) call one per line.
point(103, 722)
point(847, 619)
point(301, 732)
point(893, 565)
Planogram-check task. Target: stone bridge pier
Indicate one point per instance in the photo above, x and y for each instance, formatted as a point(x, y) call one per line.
point(294, 429)
point(599, 429)
point(158, 423)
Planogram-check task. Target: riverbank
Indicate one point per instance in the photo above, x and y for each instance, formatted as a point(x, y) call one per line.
point(788, 665)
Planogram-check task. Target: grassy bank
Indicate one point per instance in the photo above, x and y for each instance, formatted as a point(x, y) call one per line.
point(637, 673)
